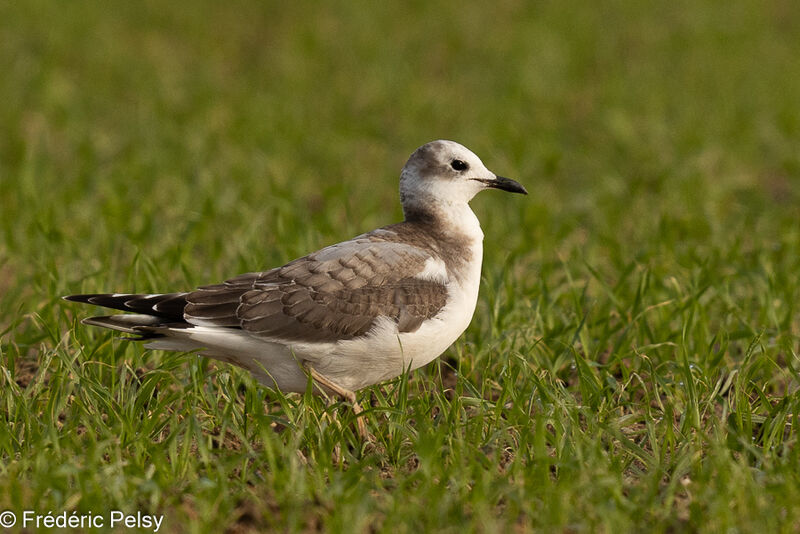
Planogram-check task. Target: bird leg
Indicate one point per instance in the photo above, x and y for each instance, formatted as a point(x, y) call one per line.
point(342, 392)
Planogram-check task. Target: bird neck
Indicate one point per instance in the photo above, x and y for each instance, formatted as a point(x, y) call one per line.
point(445, 217)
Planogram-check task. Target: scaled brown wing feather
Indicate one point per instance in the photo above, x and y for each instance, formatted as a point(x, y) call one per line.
point(335, 293)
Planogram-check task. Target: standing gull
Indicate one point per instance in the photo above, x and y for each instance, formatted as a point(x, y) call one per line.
point(351, 314)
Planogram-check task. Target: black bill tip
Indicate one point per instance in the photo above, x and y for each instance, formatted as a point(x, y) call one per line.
point(505, 184)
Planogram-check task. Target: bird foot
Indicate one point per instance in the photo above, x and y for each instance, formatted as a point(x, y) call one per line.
point(346, 394)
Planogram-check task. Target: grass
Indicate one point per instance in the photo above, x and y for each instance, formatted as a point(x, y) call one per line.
point(633, 361)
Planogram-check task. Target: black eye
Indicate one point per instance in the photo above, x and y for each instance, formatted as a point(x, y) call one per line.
point(459, 165)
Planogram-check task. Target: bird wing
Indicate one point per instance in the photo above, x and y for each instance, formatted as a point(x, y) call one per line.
point(335, 293)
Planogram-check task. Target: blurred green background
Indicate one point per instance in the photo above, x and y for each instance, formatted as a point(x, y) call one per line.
point(157, 125)
point(151, 146)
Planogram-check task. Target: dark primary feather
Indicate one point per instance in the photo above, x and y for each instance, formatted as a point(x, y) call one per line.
point(166, 305)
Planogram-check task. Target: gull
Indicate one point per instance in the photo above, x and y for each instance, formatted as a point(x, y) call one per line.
point(349, 315)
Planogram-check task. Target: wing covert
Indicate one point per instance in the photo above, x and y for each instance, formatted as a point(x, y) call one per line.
point(335, 293)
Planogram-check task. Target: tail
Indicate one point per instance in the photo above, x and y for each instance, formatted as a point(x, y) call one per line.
point(149, 312)
point(158, 321)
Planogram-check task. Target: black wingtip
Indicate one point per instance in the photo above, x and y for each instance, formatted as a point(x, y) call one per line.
point(164, 305)
point(78, 298)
